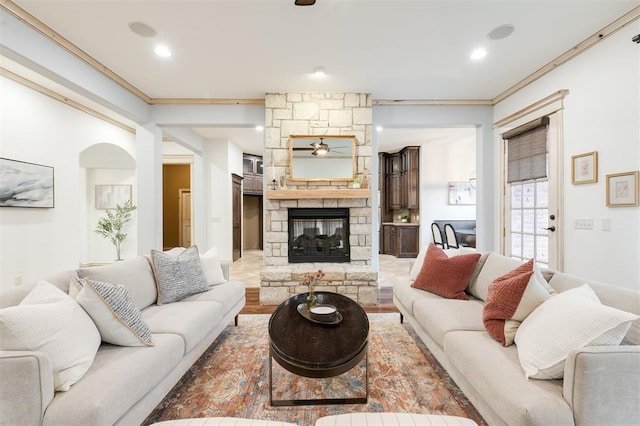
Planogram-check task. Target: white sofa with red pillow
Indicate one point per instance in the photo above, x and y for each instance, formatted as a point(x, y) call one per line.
point(576, 356)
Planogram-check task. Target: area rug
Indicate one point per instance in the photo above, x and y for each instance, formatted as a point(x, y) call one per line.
point(231, 379)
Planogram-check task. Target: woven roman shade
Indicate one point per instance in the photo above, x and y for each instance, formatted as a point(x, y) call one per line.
point(527, 151)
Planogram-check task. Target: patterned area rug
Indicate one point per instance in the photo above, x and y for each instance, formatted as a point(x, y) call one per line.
point(232, 379)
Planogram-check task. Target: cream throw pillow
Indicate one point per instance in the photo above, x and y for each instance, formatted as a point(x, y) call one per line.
point(114, 313)
point(51, 322)
point(212, 267)
point(571, 320)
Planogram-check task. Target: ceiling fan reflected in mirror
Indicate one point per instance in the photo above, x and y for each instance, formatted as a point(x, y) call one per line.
point(320, 148)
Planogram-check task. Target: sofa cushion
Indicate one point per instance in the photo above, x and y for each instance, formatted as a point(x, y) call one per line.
point(446, 276)
point(228, 294)
point(190, 320)
point(568, 321)
point(135, 274)
point(440, 316)
point(510, 299)
point(111, 308)
point(393, 419)
point(494, 372)
point(51, 322)
point(178, 277)
point(117, 380)
point(406, 295)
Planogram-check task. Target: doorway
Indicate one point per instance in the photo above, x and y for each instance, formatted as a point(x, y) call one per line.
point(252, 222)
point(176, 205)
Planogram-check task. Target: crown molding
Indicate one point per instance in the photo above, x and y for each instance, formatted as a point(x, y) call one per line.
point(48, 92)
point(596, 38)
point(40, 26)
point(27, 18)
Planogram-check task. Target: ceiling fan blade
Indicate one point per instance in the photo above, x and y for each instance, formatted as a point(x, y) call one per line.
point(305, 2)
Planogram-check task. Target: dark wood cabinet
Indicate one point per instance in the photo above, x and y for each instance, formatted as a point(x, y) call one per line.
point(400, 180)
point(236, 224)
point(252, 172)
point(400, 240)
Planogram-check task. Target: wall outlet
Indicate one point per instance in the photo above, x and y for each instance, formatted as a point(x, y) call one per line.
point(17, 280)
point(582, 223)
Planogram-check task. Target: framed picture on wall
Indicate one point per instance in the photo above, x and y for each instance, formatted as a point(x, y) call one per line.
point(622, 189)
point(25, 184)
point(462, 193)
point(584, 168)
point(107, 196)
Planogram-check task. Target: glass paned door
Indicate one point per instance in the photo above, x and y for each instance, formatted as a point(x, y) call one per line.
point(529, 212)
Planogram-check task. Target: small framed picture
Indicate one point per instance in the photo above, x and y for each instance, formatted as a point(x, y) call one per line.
point(622, 189)
point(462, 193)
point(107, 196)
point(584, 168)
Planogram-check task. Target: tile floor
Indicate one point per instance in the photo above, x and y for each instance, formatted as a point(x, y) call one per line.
point(249, 266)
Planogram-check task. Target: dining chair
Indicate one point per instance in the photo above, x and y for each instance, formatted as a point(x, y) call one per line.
point(437, 235)
point(450, 234)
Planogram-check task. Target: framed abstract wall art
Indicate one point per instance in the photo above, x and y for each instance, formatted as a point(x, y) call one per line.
point(107, 196)
point(462, 193)
point(584, 168)
point(25, 184)
point(622, 189)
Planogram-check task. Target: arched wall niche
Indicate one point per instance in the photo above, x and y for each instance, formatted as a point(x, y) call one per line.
point(104, 166)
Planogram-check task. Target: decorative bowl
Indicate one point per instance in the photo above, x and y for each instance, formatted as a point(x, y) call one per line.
point(323, 313)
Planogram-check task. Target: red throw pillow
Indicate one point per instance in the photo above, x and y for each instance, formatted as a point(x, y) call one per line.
point(446, 276)
point(510, 299)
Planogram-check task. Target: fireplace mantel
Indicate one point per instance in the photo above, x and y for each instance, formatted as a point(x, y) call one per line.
point(298, 194)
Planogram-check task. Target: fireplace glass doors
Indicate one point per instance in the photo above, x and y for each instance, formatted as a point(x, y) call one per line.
point(318, 235)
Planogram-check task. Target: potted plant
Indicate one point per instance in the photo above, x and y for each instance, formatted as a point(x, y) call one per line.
point(112, 225)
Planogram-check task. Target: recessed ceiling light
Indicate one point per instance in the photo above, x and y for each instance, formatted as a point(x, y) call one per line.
point(478, 53)
point(379, 128)
point(501, 32)
point(163, 51)
point(142, 29)
point(319, 71)
point(259, 128)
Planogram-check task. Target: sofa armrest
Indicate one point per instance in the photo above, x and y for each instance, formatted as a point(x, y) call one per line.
point(602, 384)
point(26, 388)
point(225, 268)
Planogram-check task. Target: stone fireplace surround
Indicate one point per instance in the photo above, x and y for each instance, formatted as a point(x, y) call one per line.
point(317, 114)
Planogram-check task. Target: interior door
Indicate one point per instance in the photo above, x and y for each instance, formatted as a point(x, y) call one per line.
point(184, 217)
point(532, 208)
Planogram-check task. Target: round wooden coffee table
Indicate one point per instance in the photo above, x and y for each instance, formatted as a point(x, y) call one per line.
point(316, 350)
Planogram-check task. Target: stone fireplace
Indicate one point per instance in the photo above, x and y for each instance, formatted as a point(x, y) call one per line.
point(317, 114)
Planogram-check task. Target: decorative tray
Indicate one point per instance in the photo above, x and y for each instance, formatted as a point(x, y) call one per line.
point(302, 309)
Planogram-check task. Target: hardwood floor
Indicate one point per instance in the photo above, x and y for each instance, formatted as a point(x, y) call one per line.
point(253, 306)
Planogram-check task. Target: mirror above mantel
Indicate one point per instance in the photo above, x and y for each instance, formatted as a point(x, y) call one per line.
point(322, 157)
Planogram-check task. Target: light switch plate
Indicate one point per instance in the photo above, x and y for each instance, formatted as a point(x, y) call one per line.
point(583, 223)
point(606, 224)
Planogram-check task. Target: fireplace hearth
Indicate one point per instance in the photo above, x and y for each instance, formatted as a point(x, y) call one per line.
point(318, 235)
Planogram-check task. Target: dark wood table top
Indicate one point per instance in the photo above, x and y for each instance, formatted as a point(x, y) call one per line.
point(317, 350)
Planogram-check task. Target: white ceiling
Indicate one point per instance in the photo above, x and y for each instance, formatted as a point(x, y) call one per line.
point(394, 49)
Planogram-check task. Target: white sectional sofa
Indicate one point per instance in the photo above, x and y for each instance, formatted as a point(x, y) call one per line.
point(601, 384)
point(124, 383)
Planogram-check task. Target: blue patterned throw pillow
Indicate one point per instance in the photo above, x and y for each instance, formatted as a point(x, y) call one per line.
point(178, 277)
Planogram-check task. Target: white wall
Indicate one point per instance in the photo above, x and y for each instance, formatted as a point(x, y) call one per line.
point(222, 158)
point(601, 113)
point(441, 163)
point(38, 129)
